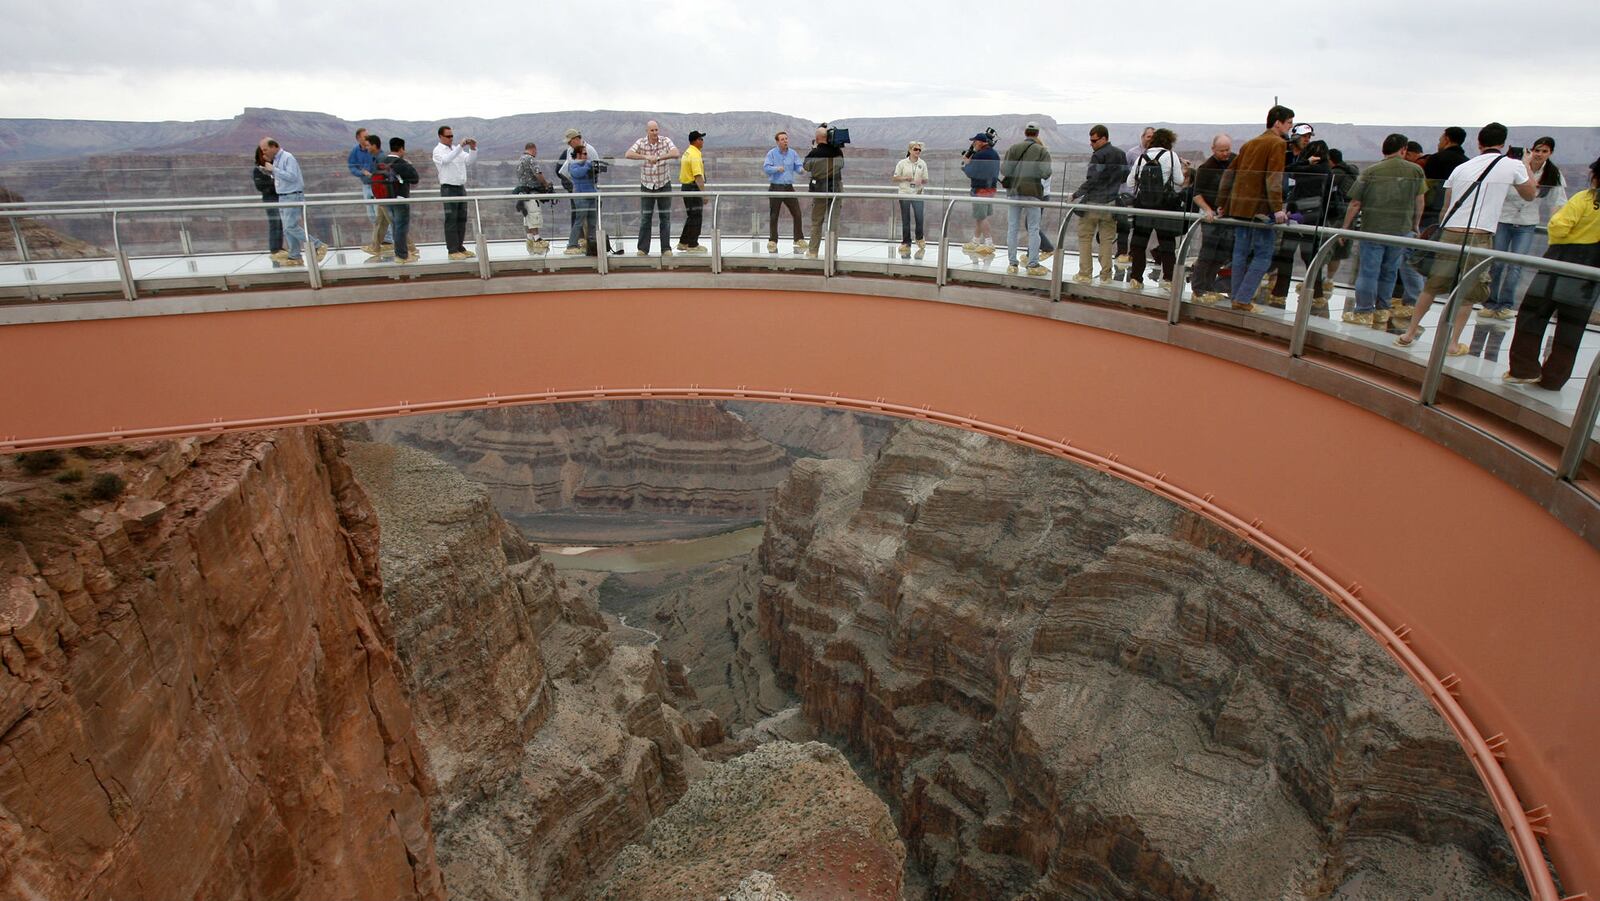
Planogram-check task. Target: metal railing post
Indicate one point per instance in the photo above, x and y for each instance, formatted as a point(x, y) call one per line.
point(1302, 311)
point(830, 236)
point(1584, 419)
point(338, 238)
point(602, 245)
point(716, 235)
point(484, 270)
point(183, 238)
point(22, 243)
point(943, 274)
point(1434, 376)
point(124, 268)
point(308, 251)
point(1180, 272)
point(1058, 269)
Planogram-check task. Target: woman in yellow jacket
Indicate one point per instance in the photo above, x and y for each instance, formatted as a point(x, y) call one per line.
point(1574, 238)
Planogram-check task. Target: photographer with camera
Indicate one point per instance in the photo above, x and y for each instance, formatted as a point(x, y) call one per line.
point(982, 168)
point(825, 165)
point(581, 237)
point(531, 180)
point(1474, 195)
point(597, 167)
point(451, 160)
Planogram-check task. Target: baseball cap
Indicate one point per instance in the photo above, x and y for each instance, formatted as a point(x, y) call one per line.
point(695, 136)
point(1302, 130)
point(980, 136)
point(573, 133)
point(1031, 126)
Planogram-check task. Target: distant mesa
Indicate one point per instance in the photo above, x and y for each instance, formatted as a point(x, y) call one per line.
point(613, 130)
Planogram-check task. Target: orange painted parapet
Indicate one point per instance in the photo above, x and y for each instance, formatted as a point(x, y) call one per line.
point(1502, 642)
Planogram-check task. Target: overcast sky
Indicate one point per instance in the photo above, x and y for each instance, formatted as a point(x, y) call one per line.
point(1362, 61)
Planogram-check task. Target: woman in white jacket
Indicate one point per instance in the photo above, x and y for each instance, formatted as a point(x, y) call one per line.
point(911, 177)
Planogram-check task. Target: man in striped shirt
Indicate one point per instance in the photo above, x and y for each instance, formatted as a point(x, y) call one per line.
point(656, 151)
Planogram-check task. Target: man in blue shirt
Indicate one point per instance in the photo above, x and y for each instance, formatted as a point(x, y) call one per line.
point(781, 166)
point(983, 169)
point(291, 185)
point(361, 162)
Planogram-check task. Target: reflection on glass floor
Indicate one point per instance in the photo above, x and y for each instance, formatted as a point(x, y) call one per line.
point(1488, 341)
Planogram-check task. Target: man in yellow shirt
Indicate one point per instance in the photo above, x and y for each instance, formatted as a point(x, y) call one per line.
point(692, 180)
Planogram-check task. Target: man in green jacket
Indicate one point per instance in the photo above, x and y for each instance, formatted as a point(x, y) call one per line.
point(1022, 172)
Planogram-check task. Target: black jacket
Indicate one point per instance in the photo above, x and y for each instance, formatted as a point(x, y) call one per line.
point(1313, 184)
point(1108, 168)
point(404, 172)
point(264, 184)
point(825, 164)
point(1438, 168)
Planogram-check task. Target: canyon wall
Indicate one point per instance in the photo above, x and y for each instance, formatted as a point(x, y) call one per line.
point(553, 742)
point(1073, 689)
point(199, 696)
point(686, 458)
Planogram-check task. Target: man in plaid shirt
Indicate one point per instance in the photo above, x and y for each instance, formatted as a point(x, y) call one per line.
point(656, 151)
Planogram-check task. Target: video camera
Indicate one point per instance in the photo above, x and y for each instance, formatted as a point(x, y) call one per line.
point(967, 154)
point(838, 137)
point(1515, 152)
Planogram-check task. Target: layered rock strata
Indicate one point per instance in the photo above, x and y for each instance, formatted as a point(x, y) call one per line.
point(199, 697)
point(704, 622)
point(796, 814)
point(808, 431)
point(1073, 689)
point(658, 457)
point(554, 745)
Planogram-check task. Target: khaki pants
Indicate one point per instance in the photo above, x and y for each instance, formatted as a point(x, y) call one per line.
point(380, 224)
point(1090, 226)
point(819, 215)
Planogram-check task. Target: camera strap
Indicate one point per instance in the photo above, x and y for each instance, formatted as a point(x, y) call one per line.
point(1456, 207)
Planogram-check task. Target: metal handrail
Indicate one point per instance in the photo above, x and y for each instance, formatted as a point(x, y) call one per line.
point(1327, 233)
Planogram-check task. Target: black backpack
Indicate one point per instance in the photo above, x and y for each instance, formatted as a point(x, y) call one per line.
point(1151, 188)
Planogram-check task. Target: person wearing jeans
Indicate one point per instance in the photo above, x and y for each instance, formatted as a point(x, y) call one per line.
point(584, 205)
point(1252, 191)
point(1023, 171)
point(655, 150)
point(910, 178)
point(291, 187)
point(262, 175)
point(1388, 199)
point(1519, 221)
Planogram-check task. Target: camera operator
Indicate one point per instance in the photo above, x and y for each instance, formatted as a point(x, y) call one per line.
point(597, 168)
point(451, 160)
point(825, 165)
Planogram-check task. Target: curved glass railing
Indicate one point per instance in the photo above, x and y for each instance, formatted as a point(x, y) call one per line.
point(139, 250)
point(75, 250)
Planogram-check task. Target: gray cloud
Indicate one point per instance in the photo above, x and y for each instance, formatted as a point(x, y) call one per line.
point(1353, 61)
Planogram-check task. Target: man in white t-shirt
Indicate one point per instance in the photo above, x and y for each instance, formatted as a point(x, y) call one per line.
point(1474, 194)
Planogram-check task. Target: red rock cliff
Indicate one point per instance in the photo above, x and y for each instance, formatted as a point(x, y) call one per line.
point(1073, 689)
point(199, 697)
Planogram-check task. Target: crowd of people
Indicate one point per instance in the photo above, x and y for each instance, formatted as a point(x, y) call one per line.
point(1496, 199)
